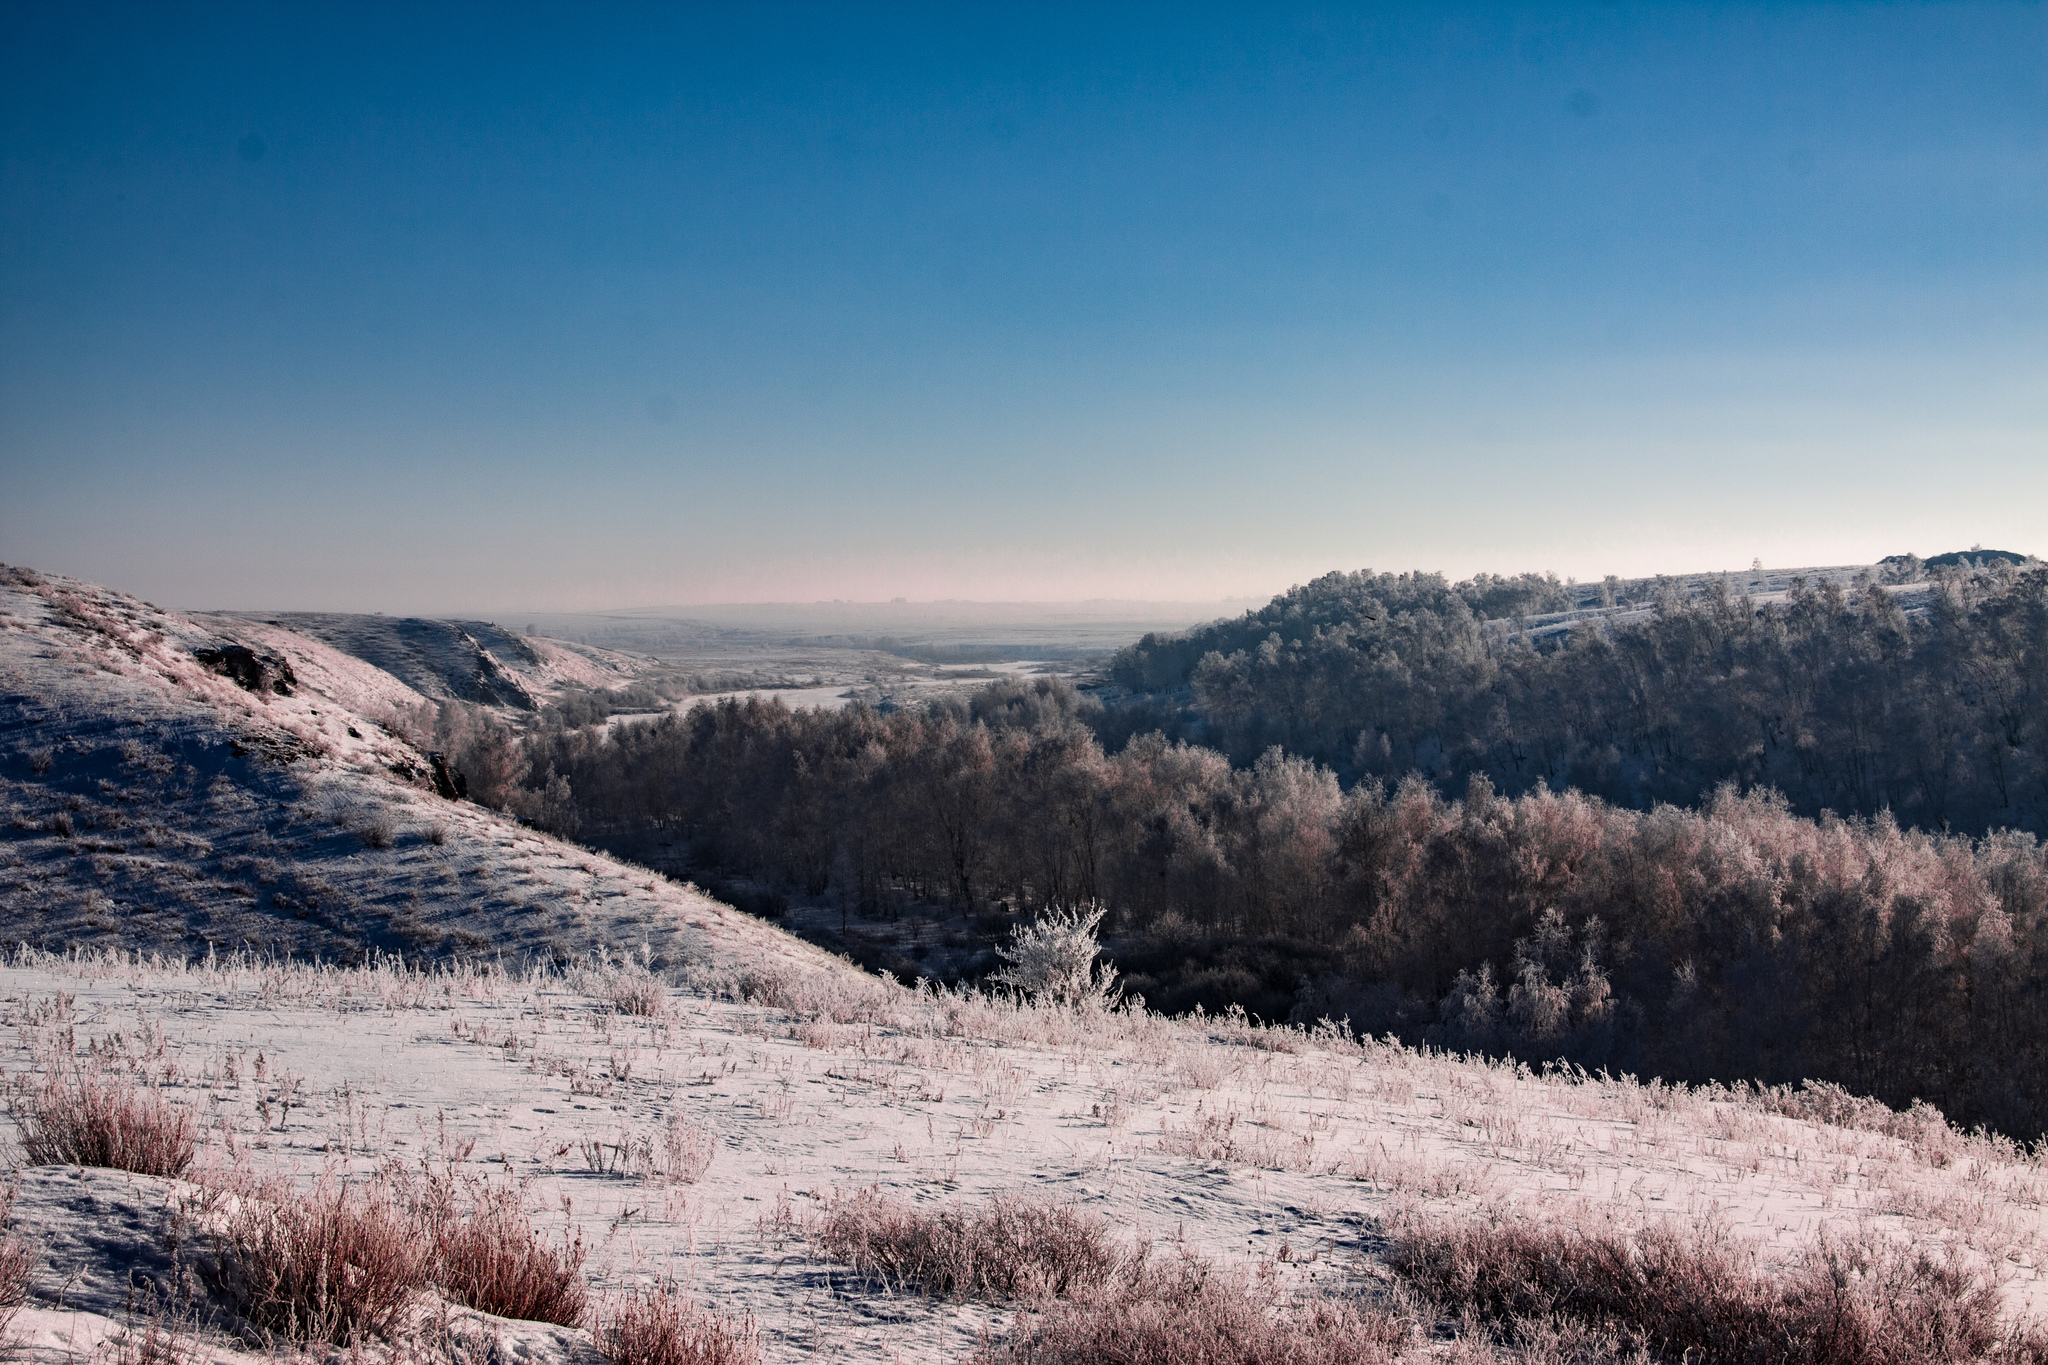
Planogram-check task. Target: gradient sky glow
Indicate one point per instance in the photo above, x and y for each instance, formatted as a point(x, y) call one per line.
point(496, 308)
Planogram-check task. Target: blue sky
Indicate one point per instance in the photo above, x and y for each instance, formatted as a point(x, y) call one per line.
point(479, 309)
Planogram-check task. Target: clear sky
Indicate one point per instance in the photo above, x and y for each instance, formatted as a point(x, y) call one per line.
point(434, 309)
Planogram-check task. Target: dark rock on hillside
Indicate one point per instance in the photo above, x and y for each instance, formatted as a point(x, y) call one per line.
point(448, 783)
point(251, 671)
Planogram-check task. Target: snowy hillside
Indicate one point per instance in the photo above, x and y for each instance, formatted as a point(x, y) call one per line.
point(150, 801)
point(472, 661)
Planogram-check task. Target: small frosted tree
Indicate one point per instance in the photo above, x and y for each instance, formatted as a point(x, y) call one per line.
point(1053, 959)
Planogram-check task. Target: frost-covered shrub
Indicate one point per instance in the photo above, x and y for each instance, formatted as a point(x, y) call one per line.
point(495, 1261)
point(628, 987)
point(1560, 1002)
point(17, 1266)
point(376, 828)
point(1053, 959)
point(1188, 1311)
point(1693, 1293)
point(637, 993)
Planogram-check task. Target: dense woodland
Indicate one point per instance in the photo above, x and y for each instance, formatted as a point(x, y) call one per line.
point(1843, 701)
point(1720, 935)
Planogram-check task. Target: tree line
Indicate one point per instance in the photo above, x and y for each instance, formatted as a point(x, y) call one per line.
point(1734, 940)
point(1841, 700)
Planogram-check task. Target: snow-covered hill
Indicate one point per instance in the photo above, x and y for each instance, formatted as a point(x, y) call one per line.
point(472, 661)
point(149, 800)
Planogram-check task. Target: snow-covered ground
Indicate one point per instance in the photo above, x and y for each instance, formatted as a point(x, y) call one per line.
point(1244, 1145)
point(473, 661)
point(909, 686)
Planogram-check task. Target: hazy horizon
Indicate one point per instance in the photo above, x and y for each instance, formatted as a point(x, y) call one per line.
point(386, 310)
point(978, 609)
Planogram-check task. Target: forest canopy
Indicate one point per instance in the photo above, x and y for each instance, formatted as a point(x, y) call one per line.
point(1925, 700)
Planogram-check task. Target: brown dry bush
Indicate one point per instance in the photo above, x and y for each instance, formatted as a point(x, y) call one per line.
point(1697, 1295)
point(1187, 1312)
point(1008, 1249)
point(17, 1268)
point(338, 1265)
point(496, 1262)
point(661, 1327)
point(87, 1118)
point(17, 1265)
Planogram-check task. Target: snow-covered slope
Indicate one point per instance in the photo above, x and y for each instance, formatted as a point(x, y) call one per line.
point(473, 661)
point(149, 801)
point(1275, 1153)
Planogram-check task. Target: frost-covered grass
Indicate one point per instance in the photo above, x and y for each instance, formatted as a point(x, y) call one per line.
point(1004, 1249)
point(709, 1144)
point(1186, 1311)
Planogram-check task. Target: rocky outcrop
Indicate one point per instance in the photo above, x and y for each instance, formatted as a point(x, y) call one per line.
point(490, 682)
point(448, 782)
point(251, 671)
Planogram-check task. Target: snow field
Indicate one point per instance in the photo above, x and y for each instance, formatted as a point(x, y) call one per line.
point(1281, 1150)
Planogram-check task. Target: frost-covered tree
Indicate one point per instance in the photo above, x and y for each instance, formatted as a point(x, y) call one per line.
point(1053, 959)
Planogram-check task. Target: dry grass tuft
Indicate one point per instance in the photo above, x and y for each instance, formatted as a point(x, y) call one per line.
point(1187, 1312)
point(1009, 1249)
point(155, 1343)
point(1694, 1294)
point(641, 994)
point(686, 1151)
point(496, 1262)
point(162, 1337)
point(87, 1118)
point(377, 829)
point(339, 1265)
point(661, 1327)
point(17, 1265)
